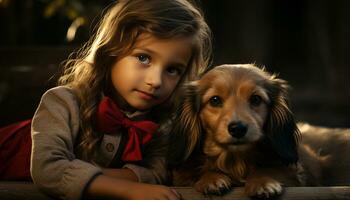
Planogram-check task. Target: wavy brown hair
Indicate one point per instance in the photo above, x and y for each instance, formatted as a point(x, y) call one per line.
point(88, 73)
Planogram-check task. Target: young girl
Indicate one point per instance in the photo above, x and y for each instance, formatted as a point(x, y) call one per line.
point(101, 133)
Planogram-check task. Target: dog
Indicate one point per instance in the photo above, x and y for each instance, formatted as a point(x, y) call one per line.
point(234, 127)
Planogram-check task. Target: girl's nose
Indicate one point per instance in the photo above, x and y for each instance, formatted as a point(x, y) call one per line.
point(153, 77)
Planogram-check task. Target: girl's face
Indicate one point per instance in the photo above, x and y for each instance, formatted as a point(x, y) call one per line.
point(148, 75)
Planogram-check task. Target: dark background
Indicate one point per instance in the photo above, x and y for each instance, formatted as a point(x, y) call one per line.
point(305, 41)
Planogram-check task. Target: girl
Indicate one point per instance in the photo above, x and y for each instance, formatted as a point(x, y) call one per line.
point(101, 132)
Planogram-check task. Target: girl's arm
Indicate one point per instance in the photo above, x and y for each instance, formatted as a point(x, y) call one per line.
point(123, 173)
point(106, 186)
point(55, 169)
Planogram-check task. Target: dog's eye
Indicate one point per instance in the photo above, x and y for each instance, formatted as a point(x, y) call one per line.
point(215, 101)
point(255, 100)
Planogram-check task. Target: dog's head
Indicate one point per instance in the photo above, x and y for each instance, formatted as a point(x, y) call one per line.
point(231, 108)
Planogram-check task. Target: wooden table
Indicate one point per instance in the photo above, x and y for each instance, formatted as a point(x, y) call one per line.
point(28, 191)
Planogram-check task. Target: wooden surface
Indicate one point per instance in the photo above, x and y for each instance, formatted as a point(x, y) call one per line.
point(27, 191)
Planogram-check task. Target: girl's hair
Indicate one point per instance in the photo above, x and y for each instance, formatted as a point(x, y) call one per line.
point(89, 73)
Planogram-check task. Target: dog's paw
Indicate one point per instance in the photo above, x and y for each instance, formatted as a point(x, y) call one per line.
point(263, 187)
point(213, 183)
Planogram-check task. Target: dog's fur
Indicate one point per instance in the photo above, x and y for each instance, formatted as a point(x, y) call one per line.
point(234, 127)
point(324, 153)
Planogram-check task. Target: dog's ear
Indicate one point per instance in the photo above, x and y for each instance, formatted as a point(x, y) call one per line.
point(186, 132)
point(280, 126)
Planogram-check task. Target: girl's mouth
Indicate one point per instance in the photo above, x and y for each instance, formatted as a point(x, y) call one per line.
point(146, 95)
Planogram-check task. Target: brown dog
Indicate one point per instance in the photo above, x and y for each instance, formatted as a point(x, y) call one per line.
point(235, 127)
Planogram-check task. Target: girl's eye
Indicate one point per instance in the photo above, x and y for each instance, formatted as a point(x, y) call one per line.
point(144, 59)
point(174, 71)
point(215, 101)
point(255, 100)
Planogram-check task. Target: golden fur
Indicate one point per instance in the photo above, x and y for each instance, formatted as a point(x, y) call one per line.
point(234, 127)
point(263, 150)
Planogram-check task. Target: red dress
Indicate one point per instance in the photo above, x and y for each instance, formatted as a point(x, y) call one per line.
point(15, 150)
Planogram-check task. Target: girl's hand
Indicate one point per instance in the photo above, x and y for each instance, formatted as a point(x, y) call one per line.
point(108, 187)
point(138, 191)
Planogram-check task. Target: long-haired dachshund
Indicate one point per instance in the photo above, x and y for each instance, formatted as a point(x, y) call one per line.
point(234, 127)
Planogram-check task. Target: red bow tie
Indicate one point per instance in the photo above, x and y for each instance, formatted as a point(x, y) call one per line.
point(110, 119)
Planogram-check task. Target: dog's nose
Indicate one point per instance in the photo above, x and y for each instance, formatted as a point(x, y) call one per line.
point(237, 129)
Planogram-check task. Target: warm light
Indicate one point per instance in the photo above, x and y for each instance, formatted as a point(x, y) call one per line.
point(3, 3)
point(72, 30)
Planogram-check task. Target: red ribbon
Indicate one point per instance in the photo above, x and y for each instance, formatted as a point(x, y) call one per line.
point(110, 119)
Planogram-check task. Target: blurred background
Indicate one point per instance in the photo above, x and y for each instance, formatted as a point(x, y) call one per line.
point(306, 42)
